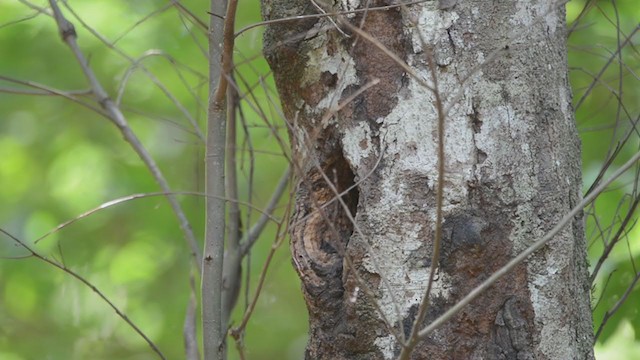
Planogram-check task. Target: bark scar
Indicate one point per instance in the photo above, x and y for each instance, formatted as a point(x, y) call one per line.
point(321, 229)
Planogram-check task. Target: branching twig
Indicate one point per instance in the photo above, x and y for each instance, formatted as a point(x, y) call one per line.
point(137, 64)
point(252, 235)
point(189, 331)
point(614, 240)
point(68, 33)
point(88, 284)
point(618, 304)
point(604, 68)
point(45, 90)
point(267, 215)
point(236, 332)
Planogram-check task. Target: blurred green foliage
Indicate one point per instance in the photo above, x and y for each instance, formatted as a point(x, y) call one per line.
point(604, 116)
point(59, 159)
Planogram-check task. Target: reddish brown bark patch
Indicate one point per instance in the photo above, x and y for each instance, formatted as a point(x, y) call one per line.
point(372, 63)
point(498, 324)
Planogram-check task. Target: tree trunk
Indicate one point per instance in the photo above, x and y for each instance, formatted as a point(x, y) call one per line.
point(512, 170)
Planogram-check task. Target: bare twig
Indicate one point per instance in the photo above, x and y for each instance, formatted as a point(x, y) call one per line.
point(237, 332)
point(614, 240)
point(189, 14)
point(17, 91)
point(127, 198)
point(189, 331)
point(155, 12)
point(45, 90)
point(139, 65)
point(435, 252)
point(253, 234)
point(604, 68)
point(604, 288)
point(68, 33)
point(88, 284)
point(618, 304)
point(585, 10)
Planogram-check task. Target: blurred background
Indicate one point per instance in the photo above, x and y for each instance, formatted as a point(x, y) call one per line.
point(59, 159)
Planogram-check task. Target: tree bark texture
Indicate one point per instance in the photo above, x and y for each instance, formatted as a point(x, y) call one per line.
point(512, 171)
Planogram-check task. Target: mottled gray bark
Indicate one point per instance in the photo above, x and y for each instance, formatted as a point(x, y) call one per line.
point(512, 171)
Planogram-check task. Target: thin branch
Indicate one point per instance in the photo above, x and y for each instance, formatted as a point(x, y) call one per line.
point(189, 331)
point(237, 332)
point(585, 10)
point(127, 198)
point(604, 68)
point(52, 91)
point(44, 92)
point(142, 20)
point(68, 33)
point(23, 19)
point(39, 9)
point(609, 247)
point(617, 306)
point(604, 288)
point(435, 253)
point(247, 145)
point(146, 71)
point(189, 14)
point(220, 48)
point(254, 233)
point(137, 64)
point(88, 284)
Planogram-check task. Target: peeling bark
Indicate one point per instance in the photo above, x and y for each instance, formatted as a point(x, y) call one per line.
point(512, 171)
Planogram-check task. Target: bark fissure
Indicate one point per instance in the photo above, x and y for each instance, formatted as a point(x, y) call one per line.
point(321, 230)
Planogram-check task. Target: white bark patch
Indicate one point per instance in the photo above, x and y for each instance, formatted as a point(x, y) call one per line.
point(409, 135)
point(505, 124)
point(528, 13)
point(386, 345)
point(431, 25)
point(350, 5)
point(339, 63)
point(390, 261)
point(356, 143)
point(546, 303)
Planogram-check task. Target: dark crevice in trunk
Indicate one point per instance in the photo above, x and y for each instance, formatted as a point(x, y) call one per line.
point(320, 233)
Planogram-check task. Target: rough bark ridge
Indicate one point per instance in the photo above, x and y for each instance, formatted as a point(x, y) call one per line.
point(512, 171)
